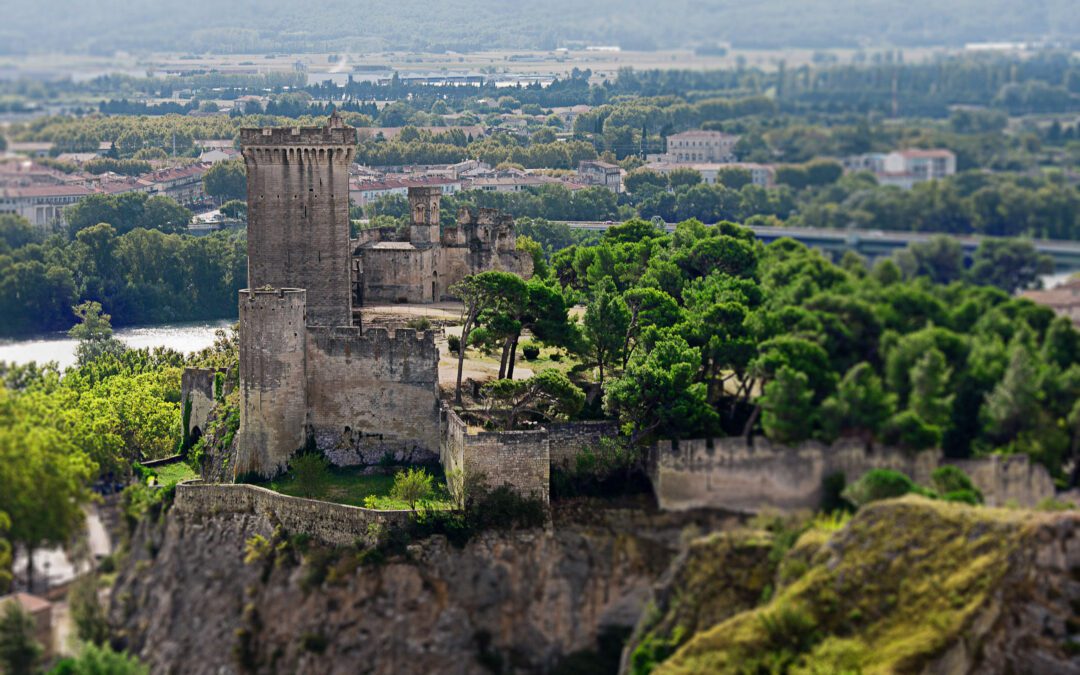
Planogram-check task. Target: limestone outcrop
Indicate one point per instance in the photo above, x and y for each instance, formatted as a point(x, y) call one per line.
point(907, 585)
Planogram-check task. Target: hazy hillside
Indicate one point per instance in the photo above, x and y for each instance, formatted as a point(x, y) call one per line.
point(247, 25)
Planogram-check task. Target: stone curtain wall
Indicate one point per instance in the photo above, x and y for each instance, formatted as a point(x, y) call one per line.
point(369, 394)
point(520, 459)
point(568, 439)
point(332, 524)
point(728, 473)
point(1012, 479)
point(402, 274)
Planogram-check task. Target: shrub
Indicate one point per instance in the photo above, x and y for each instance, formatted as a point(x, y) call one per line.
point(454, 343)
point(790, 629)
point(314, 642)
point(531, 352)
point(907, 430)
point(555, 356)
point(419, 323)
point(832, 491)
point(879, 484)
point(87, 612)
point(955, 486)
point(94, 659)
point(19, 652)
point(504, 509)
point(412, 486)
point(311, 472)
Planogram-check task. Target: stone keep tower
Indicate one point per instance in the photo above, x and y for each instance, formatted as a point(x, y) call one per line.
point(298, 214)
point(424, 214)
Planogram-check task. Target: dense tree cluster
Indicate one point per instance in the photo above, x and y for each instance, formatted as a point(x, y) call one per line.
point(706, 331)
point(63, 432)
point(139, 276)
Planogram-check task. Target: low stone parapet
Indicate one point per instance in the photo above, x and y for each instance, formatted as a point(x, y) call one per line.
point(329, 523)
point(732, 474)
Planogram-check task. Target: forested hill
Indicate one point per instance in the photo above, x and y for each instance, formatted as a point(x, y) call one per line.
point(340, 25)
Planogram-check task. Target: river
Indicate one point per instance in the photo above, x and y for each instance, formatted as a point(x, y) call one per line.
point(183, 337)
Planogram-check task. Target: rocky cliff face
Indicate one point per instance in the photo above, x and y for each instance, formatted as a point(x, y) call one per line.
point(906, 586)
point(505, 602)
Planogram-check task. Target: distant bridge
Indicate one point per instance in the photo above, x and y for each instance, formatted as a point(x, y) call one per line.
point(876, 243)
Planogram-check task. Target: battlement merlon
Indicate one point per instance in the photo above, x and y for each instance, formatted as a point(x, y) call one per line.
point(251, 294)
point(298, 136)
point(375, 341)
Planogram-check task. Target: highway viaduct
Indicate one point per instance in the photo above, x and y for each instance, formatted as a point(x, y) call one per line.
point(876, 243)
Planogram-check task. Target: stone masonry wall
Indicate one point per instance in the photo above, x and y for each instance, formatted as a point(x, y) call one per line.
point(273, 401)
point(727, 473)
point(197, 389)
point(371, 394)
point(568, 439)
point(298, 214)
point(520, 459)
point(333, 524)
point(399, 274)
point(1008, 479)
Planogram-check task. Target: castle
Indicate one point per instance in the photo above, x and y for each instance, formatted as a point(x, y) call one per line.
point(310, 376)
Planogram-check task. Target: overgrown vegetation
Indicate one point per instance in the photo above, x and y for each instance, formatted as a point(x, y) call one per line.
point(896, 586)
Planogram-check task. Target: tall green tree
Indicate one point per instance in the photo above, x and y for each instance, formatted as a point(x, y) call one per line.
point(226, 180)
point(787, 414)
point(604, 330)
point(487, 291)
point(548, 395)
point(930, 397)
point(657, 393)
point(43, 485)
point(860, 405)
point(94, 333)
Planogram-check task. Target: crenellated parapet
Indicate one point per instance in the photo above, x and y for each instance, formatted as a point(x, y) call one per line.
point(256, 155)
point(335, 132)
point(405, 356)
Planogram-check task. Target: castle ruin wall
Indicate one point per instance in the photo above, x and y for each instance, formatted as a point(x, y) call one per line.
point(197, 395)
point(518, 459)
point(371, 394)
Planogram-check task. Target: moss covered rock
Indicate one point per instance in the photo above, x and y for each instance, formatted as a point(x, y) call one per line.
point(913, 586)
point(716, 577)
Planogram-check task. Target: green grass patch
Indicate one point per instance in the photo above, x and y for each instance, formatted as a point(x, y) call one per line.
point(171, 474)
point(350, 486)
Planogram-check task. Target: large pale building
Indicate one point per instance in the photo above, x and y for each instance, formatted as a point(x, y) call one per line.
point(698, 147)
point(905, 168)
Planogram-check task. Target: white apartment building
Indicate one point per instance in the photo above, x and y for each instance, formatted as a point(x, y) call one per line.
point(905, 168)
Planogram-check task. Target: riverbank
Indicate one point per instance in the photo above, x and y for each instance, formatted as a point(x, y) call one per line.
point(184, 337)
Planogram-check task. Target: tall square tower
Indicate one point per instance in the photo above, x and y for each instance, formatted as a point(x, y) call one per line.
point(298, 214)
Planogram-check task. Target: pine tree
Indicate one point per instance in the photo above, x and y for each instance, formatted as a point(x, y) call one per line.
point(929, 383)
point(786, 412)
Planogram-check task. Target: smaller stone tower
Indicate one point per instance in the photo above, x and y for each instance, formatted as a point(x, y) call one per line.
point(273, 380)
point(424, 215)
